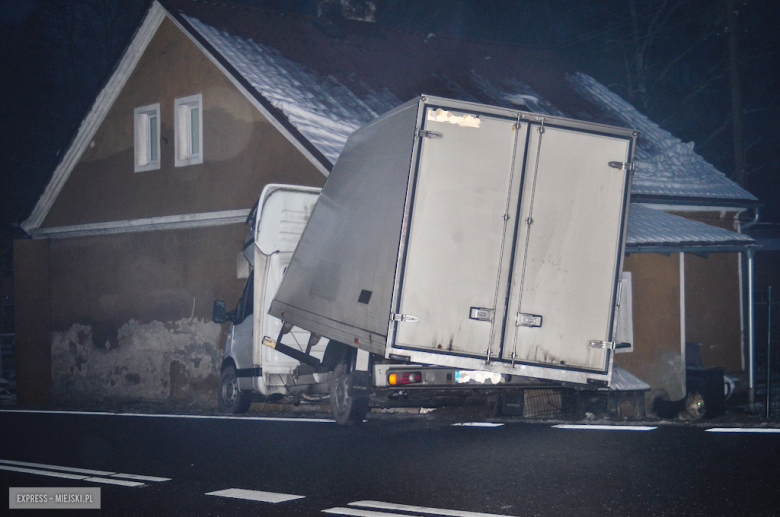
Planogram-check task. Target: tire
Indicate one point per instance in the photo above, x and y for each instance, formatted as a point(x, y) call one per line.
point(346, 409)
point(230, 399)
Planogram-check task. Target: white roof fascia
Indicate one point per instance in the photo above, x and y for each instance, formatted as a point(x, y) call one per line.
point(95, 117)
point(262, 109)
point(692, 208)
point(171, 222)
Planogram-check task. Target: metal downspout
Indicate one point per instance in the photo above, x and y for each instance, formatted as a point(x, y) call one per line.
point(751, 334)
point(748, 224)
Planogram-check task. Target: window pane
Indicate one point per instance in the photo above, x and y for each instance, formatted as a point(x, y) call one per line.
point(152, 139)
point(142, 139)
point(195, 131)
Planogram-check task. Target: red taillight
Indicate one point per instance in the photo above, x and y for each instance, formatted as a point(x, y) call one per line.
point(395, 379)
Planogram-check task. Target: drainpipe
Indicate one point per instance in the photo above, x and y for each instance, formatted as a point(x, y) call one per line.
point(751, 335)
point(748, 224)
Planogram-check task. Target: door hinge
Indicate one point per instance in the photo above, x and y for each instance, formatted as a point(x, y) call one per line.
point(528, 320)
point(622, 165)
point(427, 134)
point(404, 318)
point(609, 345)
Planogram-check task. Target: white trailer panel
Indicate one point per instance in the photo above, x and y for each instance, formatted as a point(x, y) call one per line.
point(469, 236)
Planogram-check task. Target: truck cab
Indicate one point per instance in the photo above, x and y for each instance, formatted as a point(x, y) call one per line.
point(266, 360)
point(250, 370)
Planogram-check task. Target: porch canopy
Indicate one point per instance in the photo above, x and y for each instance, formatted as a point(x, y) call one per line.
point(653, 231)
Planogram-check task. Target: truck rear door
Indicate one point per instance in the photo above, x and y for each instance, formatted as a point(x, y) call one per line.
point(458, 234)
point(566, 265)
point(514, 247)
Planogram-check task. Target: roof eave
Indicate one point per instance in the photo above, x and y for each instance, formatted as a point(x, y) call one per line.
point(737, 203)
point(691, 248)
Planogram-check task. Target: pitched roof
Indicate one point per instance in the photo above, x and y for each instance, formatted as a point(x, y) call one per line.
point(319, 79)
point(651, 230)
point(330, 76)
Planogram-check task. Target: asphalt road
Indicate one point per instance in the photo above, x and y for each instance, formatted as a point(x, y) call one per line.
point(388, 465)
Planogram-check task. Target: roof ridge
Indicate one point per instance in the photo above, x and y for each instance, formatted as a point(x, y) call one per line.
point(234, 5)
point(397, 30)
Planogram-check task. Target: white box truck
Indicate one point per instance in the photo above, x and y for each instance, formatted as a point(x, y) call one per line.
point(451, 241)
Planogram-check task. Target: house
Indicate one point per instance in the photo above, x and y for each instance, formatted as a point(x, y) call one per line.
point(141, 226)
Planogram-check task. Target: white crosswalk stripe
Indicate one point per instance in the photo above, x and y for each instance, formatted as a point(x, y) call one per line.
point(255, 495)
point(369, 509)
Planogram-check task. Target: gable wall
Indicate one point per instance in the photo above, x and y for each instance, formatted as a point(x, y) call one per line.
point(131, 312)
point(242, 150)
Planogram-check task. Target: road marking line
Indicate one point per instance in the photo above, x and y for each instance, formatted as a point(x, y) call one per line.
point(256, 495)
point(477, 424)
point(379, 505)
point(55, 467)
point(42, 472)
point(355, 512)
point(85, 471)
point(607, 427)
point(162, 415)
point(140, 478)
point(742, 430)
point(112, 481)
point(71, 476)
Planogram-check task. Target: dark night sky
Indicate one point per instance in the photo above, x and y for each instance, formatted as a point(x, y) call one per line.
point(16, 11)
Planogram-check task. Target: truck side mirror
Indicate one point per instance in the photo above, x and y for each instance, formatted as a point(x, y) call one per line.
point(220, 312)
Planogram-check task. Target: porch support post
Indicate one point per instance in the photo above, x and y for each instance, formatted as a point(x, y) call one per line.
point(751, 334)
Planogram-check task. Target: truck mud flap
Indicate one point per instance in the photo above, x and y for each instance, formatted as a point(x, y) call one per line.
point(359, 384)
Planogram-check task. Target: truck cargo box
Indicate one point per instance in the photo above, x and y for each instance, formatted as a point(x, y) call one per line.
point(464, 235)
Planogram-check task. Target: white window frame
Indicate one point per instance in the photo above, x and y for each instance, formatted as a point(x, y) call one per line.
point(188, 152)
point(143, 141)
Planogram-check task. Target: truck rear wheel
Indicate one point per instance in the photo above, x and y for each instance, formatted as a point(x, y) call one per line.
point(347, 409)
point(230, 398)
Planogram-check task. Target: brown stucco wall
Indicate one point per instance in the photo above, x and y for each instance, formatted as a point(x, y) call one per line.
point(32, 321)
point(712, 310)
point(712, 314)
point(713, 298)
point(657, 357)
point(131, 313)
point(242, 150)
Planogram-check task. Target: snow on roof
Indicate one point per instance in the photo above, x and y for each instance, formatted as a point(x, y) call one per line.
point(665, 166)
point(327, 87)
point(648, 228)
point(324, 110)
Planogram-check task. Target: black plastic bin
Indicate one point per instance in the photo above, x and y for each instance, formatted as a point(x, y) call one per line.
point(709, 383)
